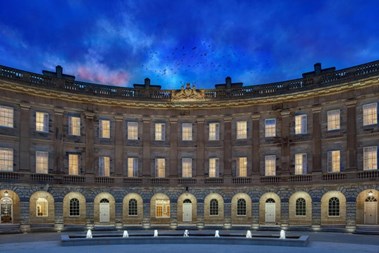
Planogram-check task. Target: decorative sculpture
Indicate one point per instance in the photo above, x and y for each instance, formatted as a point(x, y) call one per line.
point(188, 93)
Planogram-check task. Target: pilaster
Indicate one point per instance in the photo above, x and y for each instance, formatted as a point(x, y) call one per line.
point(200, 147)
point(89, 132)
point(227, 146)
point(119, 145)
point(25, 137)
point(255, 150)
point(173, 156)
point(316, 139)
point(351, 136)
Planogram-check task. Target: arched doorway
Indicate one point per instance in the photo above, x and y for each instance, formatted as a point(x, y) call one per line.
point(270, 211)
point(370, 210)
point(104, 210)
point(187, 210)
point(6, 210)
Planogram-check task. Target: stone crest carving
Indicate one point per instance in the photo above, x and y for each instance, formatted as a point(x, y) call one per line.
point(188, 93)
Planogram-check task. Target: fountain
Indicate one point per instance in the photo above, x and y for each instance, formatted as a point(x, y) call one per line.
point(125, 234)
point(248, 234)
point(217, 233)
point(186, 233)
point(89, 234)
point(282, 234)
point(155, 233)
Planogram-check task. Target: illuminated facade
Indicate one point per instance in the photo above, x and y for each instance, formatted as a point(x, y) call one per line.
point(298, 153)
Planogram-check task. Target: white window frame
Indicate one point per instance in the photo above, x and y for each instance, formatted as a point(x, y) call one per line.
point(241, 128)
point(42, 162)
point(241, 166)
point(105, 128)
point(270, 127)
point(42, 122)
point(334, 120)
point(270, 165)
point(370, 114)
point(73, 164)
point(214, 131)
point(160, 167)
point(74, 125)
point(214, 170)
point(132, 167)
point(301, 164)
point(6, 159)
point(160, 131)
point(370, 158)
point(104, 166)
point(187, 132)
point(187, 167)
point(301, 124)
point(334, 161)
point(132, 130)
point(6, 116)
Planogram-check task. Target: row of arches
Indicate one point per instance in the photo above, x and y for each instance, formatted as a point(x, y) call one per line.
point(187, 208)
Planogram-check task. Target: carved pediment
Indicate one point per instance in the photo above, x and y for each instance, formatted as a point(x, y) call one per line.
point(188, 93)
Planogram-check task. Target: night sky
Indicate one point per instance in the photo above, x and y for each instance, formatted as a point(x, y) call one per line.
point(175, 42)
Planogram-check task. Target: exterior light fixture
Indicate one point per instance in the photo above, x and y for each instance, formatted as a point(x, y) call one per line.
point(370, 193)
point(6, 194)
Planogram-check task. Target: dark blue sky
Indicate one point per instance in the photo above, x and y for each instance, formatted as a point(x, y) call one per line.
point(175, 42)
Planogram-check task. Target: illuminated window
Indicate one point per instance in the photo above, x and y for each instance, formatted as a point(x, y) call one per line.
point(162, 208)
point(73, 164)
point(270, 165)
point(41, 207)
point(270, 127)
point(6, 116)
point(334, 120)
point(214, 131)
point(213, 207)
point(301, 164)
point(42, 122)
point(242, 167)
point(132, 130)
point(370, 114)
point(301, 209)
point(186, 167)
point(213, 167)
point(186, 131)
point(6, 159)
point(301, 124)
point(42, 162)
point(133, 210)
point(74, 125)
point(74, 207)
point(241, 130)
point(160, 131)
point(132, 167)
point(105, 128)
point(334, 161)
point(241, 207)
point(370, 158)
point(334, 207)
point(104, 166)
point(160, 167)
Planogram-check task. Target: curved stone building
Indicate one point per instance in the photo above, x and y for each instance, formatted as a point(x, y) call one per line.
point(295, 154)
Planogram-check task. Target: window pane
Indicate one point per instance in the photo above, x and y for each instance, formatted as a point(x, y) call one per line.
point(162, 208)
point(73, 164)
point(132, 167)
point(301, 124)
point(214, 131)
point(42, 207)
point(333, 120)
point(74, 126)
point(370, 158)
point(6, 116)
point(160, 167)
point(186, 167)
point(242, 167)
point(241, 207)
point(74, 207)
point(370, 114)
point(42, 162)
point(132, 130)
point(133, 210)
point(159, 131)
point(300, 207)
point(270, 127)
point(104, 166)
point(187, 131)
point(270, 165)
point(334, 159)
point(105, 128)
point(334, 207)
point(213, 207)
point(6, 159)
point(241, 130)
point(213, 167)
point(42, 122)
point(300, 164)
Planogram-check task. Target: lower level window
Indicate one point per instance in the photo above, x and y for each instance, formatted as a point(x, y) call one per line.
point(41, 207)
point(300, 207)
point(162, 208)
point(334, 207)
point(213, 207)
point(74, 207)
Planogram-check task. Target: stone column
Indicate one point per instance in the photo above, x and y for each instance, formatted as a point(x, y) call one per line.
point(351, 210)
point(316, 215)
point(173, 156)
point(119, 145)
point(285, 152)
point(118, 214)
point(90, 212)
point(227, 215)
point(89, 132)
point(58, 141)
point(24, 215)
point(284, 216)
point(146, 222)
point(200, 214)
point(200, 148)
point(25, 137)
point(255, 155)
point(58, 223)
point(316, 139)
point(351, 136)
point(228, 146)
point(146, 143)
point(255, 214)
point(173, 215)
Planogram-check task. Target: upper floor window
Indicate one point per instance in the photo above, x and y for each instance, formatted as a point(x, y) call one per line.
point(270, 165)
point(42, 207)
point(160, 131)
point(334, 161)
point(74, 207)
point(186, 131)
point(214, 131)
point(241, 207)
point(301, 164)
point(213, 167)
point(301, 124)
point(6, 116)
point(334, 120)
point(133, 210)
point(42, 122)
point(301, 209)
point(242, 167)
point(104, 166)
point(370, 114)
point(132, 167)
point(132, 130)
point(42, 162)
point(370, 158)
point(213, 207)
point(105, 128)
point(6, 159)
point(186, 167)
point(334, 207)
point(270, 127)
point(241, 130)
point(73, 164)
point(160, 167)
point(74, 125)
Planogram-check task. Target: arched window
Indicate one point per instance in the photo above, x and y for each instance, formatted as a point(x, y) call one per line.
point(334, 207)
point(133, 207)
point(104, 201)
point(301, 209)
point(270, 200)
point(74, 207)
point(41, 207)
point(187, 201)
point(213, 207)
point(241, 207)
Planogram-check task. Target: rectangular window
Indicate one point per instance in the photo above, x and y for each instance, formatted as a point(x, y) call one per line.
point(162, 208)
point(74, 125)
point(132, 167)
point(301, 164)
point(370, 114)
point(160, 167)
point(186, 131)
point(132, 130)
point(6, 116)
point(160, 131)
point(270, 127)
point(42, 207)
point(105, 128)
point(242, 167)
point(6, 159)
point(334, 161)
point(213, 167)
point(104, 166)
point(73, 164)
point(370, 158)
point(334, 120)
point(42, 162)
point(241, 130)
point(270, 165)
point(42, 122)
point(301, 124)
point(186, 167)
point(214, 131)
